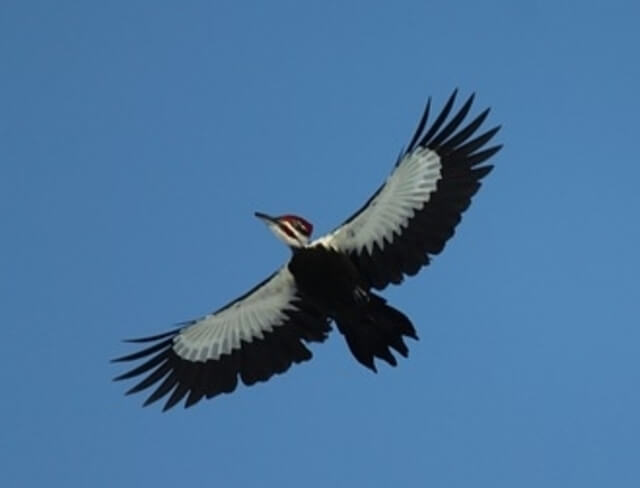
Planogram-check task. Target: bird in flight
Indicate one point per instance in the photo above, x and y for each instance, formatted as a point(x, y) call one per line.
point(331, 279)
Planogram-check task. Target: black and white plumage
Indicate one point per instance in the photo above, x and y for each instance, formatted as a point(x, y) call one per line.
point(407, 220)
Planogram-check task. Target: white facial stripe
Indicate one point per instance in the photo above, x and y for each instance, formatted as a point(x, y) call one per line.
point(297, 240)
point(295, 231)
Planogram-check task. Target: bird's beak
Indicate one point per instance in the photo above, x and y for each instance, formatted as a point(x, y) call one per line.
point(268, 219)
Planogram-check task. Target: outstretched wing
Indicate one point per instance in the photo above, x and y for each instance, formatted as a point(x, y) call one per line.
point(256, 336)
point(413, 214)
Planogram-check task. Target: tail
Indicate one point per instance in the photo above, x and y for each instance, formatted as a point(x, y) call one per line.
point(375, 328)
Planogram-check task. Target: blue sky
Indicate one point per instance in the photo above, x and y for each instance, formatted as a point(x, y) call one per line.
point(136, 140)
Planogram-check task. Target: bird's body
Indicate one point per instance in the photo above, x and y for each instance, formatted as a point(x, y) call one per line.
point(329, 279)
point(407, 220)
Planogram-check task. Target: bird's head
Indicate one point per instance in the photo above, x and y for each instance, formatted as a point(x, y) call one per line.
point(291, 229)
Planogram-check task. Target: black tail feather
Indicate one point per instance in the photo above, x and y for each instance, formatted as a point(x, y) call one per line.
point(374, 329)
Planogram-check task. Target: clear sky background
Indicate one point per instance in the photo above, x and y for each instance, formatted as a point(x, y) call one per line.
point(136, 140)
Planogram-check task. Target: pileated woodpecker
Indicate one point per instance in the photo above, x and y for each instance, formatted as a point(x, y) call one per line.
point(406, 221)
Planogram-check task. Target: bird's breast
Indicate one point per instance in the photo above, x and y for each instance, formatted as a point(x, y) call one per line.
point(325, 276)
